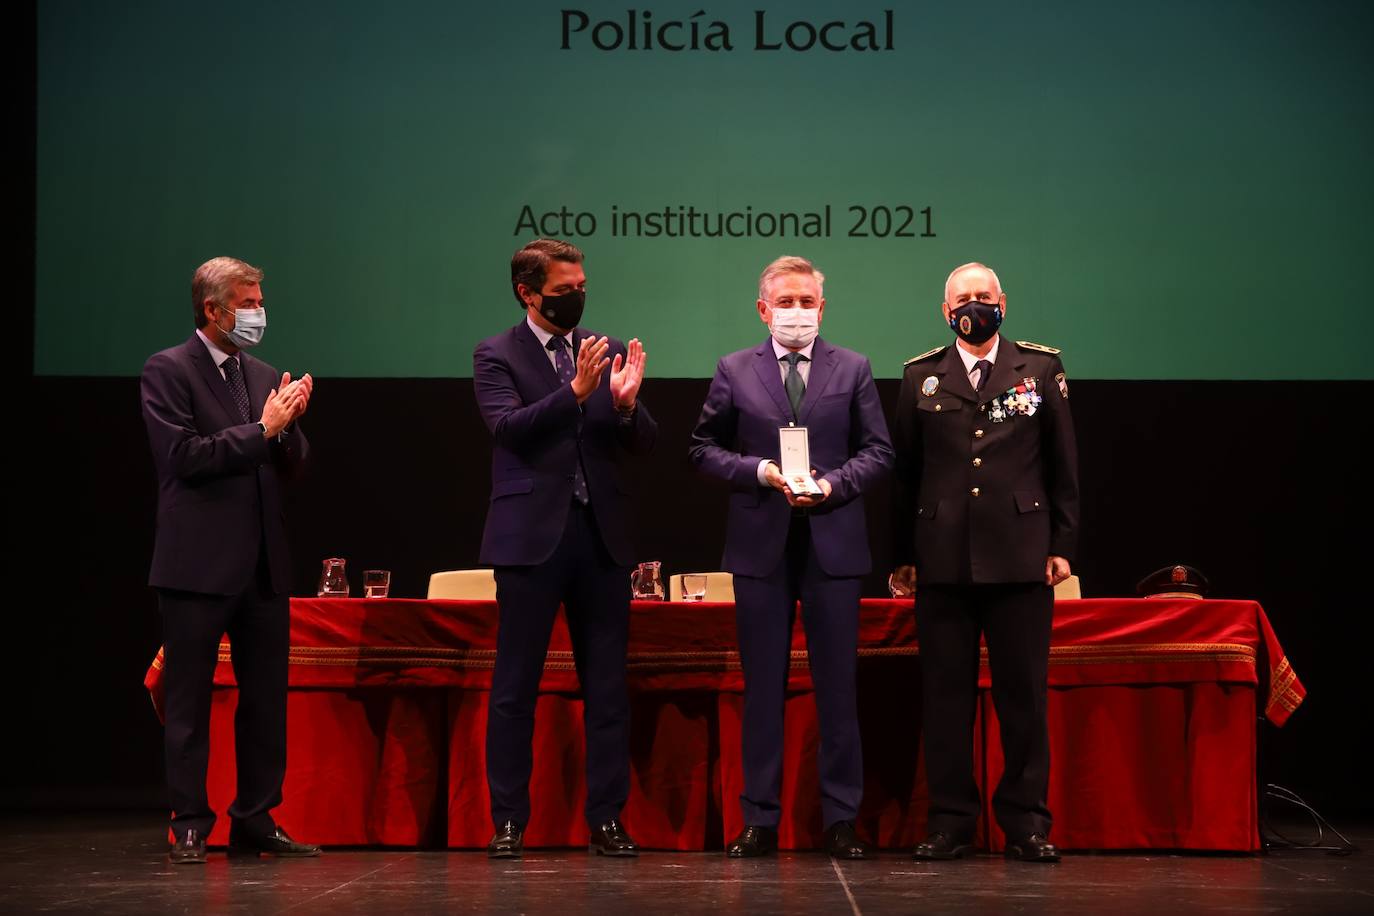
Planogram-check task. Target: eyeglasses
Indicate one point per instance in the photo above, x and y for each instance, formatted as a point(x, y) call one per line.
point(787, 302)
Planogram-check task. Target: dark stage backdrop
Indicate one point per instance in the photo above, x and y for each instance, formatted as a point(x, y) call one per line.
point(1251, 482)
point(1189, 196)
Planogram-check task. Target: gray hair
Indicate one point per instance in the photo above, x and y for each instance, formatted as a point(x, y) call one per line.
point(215, 280)
point(788, 264)
point(966, 267)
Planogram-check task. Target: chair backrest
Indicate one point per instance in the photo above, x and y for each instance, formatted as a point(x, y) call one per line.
point(720, 586)
point(1069, 588)
point(468, 584)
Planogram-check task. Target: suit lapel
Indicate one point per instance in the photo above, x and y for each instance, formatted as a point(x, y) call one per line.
point(209, 372)
point(535, 357)
point(953, 378)
point(1006, 372)
point(822, 370)
point(766, 368)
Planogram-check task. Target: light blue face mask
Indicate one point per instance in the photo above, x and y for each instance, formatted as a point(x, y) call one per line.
point(249, 325)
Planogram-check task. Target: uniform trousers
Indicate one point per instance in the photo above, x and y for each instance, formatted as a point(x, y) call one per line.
point(1015, 620)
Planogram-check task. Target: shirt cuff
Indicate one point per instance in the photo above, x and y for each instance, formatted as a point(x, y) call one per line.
point(763, 471)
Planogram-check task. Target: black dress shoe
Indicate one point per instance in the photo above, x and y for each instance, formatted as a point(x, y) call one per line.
point(1033, 848)
point(753, 842)
point(189, 850)
point(610, 839)
point(276, 843)
point(843, 843)
point(940, 846)
point(508, 843)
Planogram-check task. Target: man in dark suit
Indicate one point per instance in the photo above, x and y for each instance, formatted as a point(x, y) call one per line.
point(562, 406)
point(987, 510)
point(782, 547)
point(222, 427)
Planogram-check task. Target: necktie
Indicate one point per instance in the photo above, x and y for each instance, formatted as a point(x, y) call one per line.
point(794, 383)
point(234, 379)
point(984, 370)
point(564, 364)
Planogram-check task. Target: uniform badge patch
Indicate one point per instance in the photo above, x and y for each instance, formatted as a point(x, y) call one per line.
point(930, 386)
point(1063, 386)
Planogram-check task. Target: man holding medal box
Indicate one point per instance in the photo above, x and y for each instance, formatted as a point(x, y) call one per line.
point(790, 539)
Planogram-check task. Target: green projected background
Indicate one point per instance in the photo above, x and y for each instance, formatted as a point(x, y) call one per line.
point(1169, 190)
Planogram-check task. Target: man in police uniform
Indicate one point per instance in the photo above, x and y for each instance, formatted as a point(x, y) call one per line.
point(986, 523)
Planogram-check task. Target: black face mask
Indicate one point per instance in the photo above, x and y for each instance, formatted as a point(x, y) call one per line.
point(976, 321)
point(564, 311)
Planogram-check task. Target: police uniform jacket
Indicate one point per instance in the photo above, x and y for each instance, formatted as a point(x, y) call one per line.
point(986, 484)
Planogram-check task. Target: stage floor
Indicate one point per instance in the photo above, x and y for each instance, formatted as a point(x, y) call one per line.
point(116, 864)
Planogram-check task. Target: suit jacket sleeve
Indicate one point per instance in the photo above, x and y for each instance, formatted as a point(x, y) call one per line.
point(291, 452)
point(175, 438)
point(514, 424)
point(637, 433)
point(907, 479)
point(714, 441)
point(1061, 467)
point(870, 448)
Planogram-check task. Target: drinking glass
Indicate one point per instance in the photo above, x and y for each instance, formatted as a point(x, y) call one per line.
point(376, 583)
point(693, 587)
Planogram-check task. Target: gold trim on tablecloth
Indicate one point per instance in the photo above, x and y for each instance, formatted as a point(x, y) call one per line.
point(562, 660)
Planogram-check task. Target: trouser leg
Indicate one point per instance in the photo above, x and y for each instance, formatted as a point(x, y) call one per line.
point(598, 609)
point(528, 598)
point(259, 640)
point(1016, 623)
point(947, 631)
point(764, 612)
point(192, 625)
point(830, 614)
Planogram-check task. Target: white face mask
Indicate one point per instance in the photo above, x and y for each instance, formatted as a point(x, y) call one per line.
point(249, 325)
point(796, 327)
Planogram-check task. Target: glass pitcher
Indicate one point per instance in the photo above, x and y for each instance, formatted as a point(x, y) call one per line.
point(646, 582)
point(333, 580)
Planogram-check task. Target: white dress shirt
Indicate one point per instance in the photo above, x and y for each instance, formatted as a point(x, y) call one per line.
point(544, 338)
point(218, 355)
point(970, 360)
point(804, 367)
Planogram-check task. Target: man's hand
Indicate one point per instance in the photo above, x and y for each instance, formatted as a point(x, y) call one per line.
point(902, 582)
point(307, 388)
point(625, 378)
point(1056, 571)
point(591, 362)
point(773, 475)
point(806, 501)
point(299, 390)
point(286, 402)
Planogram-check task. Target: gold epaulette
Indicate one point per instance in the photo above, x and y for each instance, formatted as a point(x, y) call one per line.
point(914, 359)
point(1030, 345)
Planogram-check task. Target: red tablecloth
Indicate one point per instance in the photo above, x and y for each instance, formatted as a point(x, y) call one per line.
point(1152, 720)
